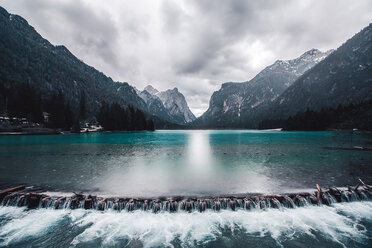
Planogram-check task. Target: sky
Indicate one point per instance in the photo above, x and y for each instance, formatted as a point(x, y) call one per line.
point(194, 45)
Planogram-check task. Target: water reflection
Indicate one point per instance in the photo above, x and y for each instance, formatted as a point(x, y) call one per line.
point(137, 175)
point(157, 171)
point(182, 162)
point(199, 154)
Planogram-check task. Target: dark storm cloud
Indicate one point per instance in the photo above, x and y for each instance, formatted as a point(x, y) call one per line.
point(194, 45)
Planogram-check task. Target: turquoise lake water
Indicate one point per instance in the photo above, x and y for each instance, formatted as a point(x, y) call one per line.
point(168, 163)
point(187, 163)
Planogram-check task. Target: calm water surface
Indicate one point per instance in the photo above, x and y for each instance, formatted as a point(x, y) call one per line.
point(168, 163)
point(185, 162)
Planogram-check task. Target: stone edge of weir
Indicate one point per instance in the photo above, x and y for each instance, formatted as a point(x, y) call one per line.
point(32, 198)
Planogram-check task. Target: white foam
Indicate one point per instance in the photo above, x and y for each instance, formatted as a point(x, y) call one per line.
point(26, 223)
point(338, 223)
point(58, 193)
point(161, 229)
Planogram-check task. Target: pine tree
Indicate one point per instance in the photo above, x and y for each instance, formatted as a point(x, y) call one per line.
point(114, 117)
point(69, 117)
point(57, 111)
point(150, 125)
point(82, 108)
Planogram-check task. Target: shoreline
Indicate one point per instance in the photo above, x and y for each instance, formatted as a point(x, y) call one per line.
point(28, 133)
point(56, 132)
point(48, 131)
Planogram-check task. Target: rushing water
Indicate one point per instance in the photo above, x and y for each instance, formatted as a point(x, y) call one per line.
point(187, 163)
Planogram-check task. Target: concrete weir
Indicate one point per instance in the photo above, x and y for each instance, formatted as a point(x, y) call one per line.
point(31, 198)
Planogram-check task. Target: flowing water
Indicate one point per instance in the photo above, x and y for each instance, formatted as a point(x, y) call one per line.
point(187, 163)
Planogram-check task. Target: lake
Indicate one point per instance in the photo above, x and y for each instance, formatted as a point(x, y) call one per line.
point(187, 163)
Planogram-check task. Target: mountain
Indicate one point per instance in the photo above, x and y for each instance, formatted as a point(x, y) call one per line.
point(26, 57)
point(155, 105)
point(176, 104)
point(151, 90)
point(235, 103)
point(348, 117)
point(170, 105)
point(344, 77)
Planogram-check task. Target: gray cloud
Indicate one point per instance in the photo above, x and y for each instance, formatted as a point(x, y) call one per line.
point(86, 30)
point(194, 45)
point(215, 27)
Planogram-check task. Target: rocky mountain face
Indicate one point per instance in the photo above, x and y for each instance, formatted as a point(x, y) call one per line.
point(235, 104)
point(155, 105)
point(170, 105)
point(151, 90)
point(26, 57)
point(344, 77)
point(175, 102)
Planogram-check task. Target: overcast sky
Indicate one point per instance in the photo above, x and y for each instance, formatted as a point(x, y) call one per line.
point(195, 45)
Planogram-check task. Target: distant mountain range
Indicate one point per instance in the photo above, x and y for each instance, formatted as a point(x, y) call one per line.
point(344, 77)
point(26, 57)
point(312, 81)
point(234, 103)
point(170, 105)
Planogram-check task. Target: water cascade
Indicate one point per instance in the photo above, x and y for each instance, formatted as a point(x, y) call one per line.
point(32, 198)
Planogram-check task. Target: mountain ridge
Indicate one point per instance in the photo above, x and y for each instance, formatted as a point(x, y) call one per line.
point(235, 101)
point(173, 103)
point(313, 80)
point(27, 57)
point(344, 77)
